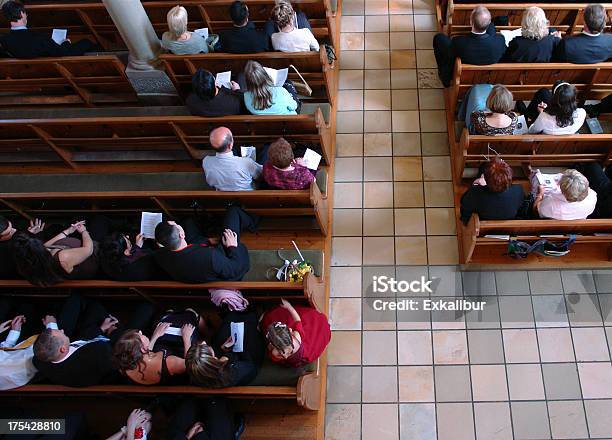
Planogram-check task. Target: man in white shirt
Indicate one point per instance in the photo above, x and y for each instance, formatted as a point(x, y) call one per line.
point(226, 172)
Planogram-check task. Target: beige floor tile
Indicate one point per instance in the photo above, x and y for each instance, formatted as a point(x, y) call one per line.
point(555, 345)
point(378, 121)
point(493, 421)
point(595, 379)
point(425, 59)
point(525, 381)
point(350, 79)
point(377, 79)
point(437, 168)
point(350, 100)
point(442, 250)
point(439, 194)
point(378, 251)
point(590, 344)
point(353, 7)
point(378, 194)
point(347, 223)
point(405, 121)
point(377, 222)
point(349, 144)
point(403, 79)
point(408, 194)
point(425, 23)
point(377, 100)
point(378, 169)
point(567, 420)
point(433, 121)
point(349, 122)
point(343, 384)
point(377, 23)
point(455, 421)
point(377, 144)
point(401, 23)
point(377, 59)
point(352, 41)
point(521, 345)
point(342, 421)
point(344, 348)
point(431, 99)
point(450, 347)
point(379, 384)
point(406, 144)
point(410, 250)
point(400, 7)
point(346, 251)
point(410, 221)
point(402, 40)
point(405, 100)
point(352, 59)
point(379, 422)
point(379, 348)
point(348, 195)
point(351, 24)
point(376, 7)
point(345, 313)
point(414, 348)
point(419, 7)
point(407, 169)
point(416, 384)
point(428, 79)
point(489, 382)
point(345, 281)
point(348, 169)
point(441, 221)
point(435, 144)
point(377, 41)
point(424, 40)
point(403, 59)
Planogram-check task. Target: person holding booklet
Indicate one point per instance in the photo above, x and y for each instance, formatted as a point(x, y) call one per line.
point(178, 40)
point(565, 196)
point(264, 96)
point(283, 171)
point(211, 98)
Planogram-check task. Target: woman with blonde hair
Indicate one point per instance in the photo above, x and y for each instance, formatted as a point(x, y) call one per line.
point(289, 37)
point(536, 43)
point(178, 40)
point(262, 97)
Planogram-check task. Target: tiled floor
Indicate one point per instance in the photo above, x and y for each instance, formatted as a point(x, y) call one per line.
point(534, 364)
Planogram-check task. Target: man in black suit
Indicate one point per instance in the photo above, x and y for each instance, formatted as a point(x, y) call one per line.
point(592, 46)
point(87, 360)
point(20, 42)
point(243, 37)
point(482, 46)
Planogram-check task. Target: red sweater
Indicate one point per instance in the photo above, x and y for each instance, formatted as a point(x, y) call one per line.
point(313, 329)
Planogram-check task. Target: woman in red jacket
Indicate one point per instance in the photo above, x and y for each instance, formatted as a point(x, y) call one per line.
point(297, 335)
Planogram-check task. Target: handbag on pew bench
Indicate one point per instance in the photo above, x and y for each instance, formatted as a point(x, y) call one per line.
point(520, 249)
point(302, 88)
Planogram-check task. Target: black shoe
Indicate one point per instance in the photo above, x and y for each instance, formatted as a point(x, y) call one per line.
point(239, 423)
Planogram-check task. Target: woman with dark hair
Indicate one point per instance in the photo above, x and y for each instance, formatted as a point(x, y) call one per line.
point(62, 257)
point(217, 365)
point(296, 335)
point(262, 96)
point(208, 99)
point(557, 112)
point(123, 261)
point(161, 359)
point(493, 196)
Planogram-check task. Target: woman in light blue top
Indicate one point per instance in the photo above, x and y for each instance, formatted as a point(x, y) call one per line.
point(262, 97)
point(178, 40)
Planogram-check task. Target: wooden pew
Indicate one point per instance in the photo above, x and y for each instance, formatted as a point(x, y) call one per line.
point(314, 67)
point(589, 250)
point(454, 18)
point(141, 144)
point(81, 81)
point(91, 20)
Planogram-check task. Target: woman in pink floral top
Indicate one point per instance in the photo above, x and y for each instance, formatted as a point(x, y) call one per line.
point(282, 170)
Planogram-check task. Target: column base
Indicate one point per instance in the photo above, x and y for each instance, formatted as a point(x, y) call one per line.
point(136, 65)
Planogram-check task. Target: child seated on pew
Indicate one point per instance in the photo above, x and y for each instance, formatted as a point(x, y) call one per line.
point(565, 196)
point(289, 37)
point(283, 171)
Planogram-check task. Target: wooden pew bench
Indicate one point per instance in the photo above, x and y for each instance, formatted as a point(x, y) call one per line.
point(141, 144)
point(589, 250)
point(92, 80)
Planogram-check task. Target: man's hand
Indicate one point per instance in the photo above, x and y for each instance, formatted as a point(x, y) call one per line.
point(195, 429)
point(230, 239)
point(17, 322)
point(48, 319)
point(234, 85)
point(36, 226)
point(109, 325)
point(139, 241)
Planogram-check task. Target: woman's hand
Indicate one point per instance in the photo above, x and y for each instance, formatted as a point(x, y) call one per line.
point(234, 85)
point(160, 330)
point(195, 429)
point(286, 304)
point(137, 419)
point(187, 332)
point(79, 226)
point(228, 344)
point(139, 241)
point(480, 181)
point(36, 226)
point(17, 322)
point(541, 107)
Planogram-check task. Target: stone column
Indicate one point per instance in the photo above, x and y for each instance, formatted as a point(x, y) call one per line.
point(137, 31)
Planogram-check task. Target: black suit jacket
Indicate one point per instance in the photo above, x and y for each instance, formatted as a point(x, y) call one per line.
point(244, 39)
point(24, 43)
point(527, 50)
point(487, 48)
point(88, 365)
point(585, 49)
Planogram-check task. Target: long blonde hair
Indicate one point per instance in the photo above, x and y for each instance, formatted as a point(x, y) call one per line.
point(259, 83)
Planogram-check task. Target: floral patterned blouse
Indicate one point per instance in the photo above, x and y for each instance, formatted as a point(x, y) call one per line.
point(479, 121)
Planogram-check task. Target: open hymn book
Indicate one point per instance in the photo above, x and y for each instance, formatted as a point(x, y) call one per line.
point(278, 76)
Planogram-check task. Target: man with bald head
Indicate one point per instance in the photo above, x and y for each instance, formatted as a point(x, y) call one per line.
point(481, 46)
point(226, 172)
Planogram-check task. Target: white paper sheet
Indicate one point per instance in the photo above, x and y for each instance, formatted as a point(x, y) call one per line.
point(278, 76)
point(224, 79)
point(249, 151)
point(59, 35)
point(148, 222)
point(202, 32)
point(521, 126)
point(311, 159)
point(550, 181)
point(237, 333)
point(173, 331)
point(510, 35)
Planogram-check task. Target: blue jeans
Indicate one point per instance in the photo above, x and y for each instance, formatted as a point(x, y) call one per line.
point(474, 100)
